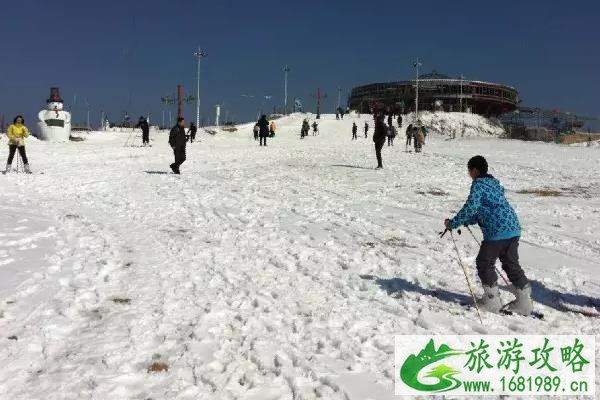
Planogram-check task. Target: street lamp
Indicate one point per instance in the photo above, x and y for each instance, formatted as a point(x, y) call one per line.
point(199, 54)
point(417, 64)
point(262, 105)
point(319, 97)
point(167, 101)
point(286, 69)
point(461, 92)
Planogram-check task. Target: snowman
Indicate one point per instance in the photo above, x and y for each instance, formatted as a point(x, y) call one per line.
point(54, 123)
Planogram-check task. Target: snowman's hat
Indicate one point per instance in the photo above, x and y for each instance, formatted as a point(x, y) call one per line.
point(54, 96)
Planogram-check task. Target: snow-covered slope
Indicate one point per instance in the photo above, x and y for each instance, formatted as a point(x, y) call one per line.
point(458, 124)
point(267, 273)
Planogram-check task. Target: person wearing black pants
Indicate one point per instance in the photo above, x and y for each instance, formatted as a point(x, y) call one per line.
point(263, 126)
point(12, 149)
point(143, 125)
point(16, 133)
point(192, 131)
point(409, 135)
point(379, 137)
point(354, 130)
point(488, 207)
point(177, 141)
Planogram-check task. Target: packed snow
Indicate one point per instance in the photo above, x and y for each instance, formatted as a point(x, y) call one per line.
point(269, 273)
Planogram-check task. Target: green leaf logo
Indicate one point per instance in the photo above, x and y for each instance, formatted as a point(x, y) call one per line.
point(413, 365)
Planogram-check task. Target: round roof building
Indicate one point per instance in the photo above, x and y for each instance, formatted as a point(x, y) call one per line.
point(436, 92)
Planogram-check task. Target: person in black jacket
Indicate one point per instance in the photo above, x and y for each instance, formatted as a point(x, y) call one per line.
point(177, 141)
point(192, 131)
point(354, 130)
point(143, 125)
point(366, 130)
point(379, 137)
point(263, 126)
point(409, 135)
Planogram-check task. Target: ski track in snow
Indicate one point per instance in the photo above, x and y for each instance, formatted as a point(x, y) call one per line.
point(268, 273)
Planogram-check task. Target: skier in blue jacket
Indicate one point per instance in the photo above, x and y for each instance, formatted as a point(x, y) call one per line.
point(487, 206)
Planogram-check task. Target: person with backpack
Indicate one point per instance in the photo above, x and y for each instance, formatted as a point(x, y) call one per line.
point(263, 130)
point(178, 141)
point(366, 130)
point(488, 207)
point(16, 133)
point(145, 127)
point(379, 136)
point(354, 131)
point(192, 132)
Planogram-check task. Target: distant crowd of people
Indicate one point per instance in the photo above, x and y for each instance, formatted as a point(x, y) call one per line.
point(263, 129)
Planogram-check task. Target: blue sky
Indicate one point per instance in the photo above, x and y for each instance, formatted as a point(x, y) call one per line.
point(112, 51)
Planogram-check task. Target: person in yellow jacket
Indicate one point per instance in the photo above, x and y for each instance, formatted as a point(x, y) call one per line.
point(272, 129)
point(17, 132)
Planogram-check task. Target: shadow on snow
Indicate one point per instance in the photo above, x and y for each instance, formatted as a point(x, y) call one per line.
point(540, 294)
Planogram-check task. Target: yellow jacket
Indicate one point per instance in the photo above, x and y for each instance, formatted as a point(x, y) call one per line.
point(17, 132)
point(273, 127)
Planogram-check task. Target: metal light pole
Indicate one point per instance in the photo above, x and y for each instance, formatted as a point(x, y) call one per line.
point(87, 104)
point(199, 54)
point(417, 65)
point(286, 69)
point(461, 92)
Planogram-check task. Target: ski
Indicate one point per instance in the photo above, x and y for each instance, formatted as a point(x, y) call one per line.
point(534, 314)
point(587, 311)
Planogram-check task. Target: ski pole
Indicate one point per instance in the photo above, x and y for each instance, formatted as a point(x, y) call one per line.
point(497, 270)
point(466, 277)
point(18, 160)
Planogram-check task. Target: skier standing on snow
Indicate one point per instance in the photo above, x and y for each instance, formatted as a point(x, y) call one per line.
point(177, 141)
point(143, 125)
point(263, 127)
point(315, 127)
point(16, 133)
point(366, 130)
point(272, 129)
point(399, 121)
point(379, 136)
point(487, 206)
point(192, 131)
point(354, 130)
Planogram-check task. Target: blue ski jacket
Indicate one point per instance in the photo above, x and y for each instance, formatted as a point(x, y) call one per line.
point(487, 206)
